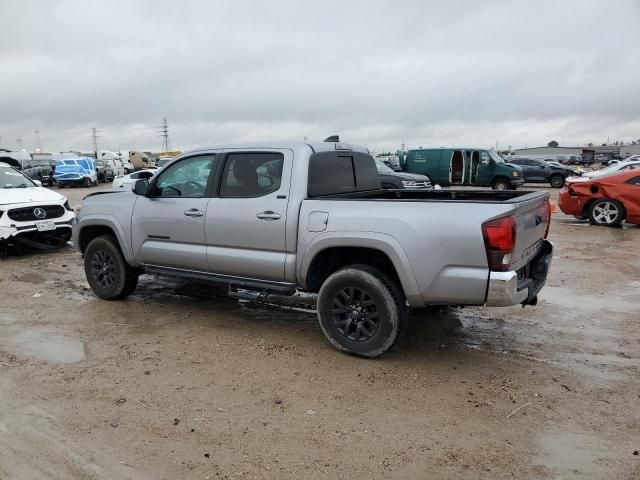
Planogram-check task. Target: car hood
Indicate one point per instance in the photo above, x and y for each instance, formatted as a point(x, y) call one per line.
point(408, 176)
point(10, 196)
point(512, 165)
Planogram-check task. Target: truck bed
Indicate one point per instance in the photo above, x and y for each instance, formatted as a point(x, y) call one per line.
point(476, 196)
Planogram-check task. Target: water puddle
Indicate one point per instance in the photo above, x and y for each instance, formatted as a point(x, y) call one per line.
point(31, 277)
point(567, 298)
point(48, 345)
point(570, 455)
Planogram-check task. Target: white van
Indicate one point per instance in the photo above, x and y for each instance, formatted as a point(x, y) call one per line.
point(112, 162)
point(141, 160)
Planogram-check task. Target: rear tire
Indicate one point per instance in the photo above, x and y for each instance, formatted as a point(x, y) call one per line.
point(361, 311)
point(606, 212)
point(107, 272)
point(556, 181)
point(86, 182)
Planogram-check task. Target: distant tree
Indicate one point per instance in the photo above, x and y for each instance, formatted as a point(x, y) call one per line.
point(590, 144)
point(552, 144)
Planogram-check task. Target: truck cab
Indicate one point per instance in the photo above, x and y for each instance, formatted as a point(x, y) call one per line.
point(464, 166)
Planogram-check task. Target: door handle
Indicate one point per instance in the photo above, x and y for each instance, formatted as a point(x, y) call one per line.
point(268, 215)
point(194, 213)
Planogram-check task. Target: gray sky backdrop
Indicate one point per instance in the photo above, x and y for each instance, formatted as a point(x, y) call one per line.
point(376, 72)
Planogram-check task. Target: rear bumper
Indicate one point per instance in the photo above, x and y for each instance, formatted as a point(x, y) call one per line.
point(521, 287)
point(571, 205)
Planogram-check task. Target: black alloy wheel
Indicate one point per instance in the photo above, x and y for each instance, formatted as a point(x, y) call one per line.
point(355, 314)
point(103, 269)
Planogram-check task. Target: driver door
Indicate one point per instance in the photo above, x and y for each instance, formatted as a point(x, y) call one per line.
point(167, 227)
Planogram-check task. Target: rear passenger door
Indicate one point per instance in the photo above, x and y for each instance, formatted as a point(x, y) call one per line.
point(246, 219)
point(538, 171)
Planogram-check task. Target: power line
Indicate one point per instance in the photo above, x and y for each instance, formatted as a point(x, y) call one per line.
point(164, 133)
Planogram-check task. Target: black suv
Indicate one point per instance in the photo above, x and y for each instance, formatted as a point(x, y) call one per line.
point(38, 170)
point(540, 171)
point(390, 179)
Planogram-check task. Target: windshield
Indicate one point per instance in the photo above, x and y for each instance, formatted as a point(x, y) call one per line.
point(10, 178)
point(38, 163)
point(383, 168)
point(495, 157)
point(618, 167)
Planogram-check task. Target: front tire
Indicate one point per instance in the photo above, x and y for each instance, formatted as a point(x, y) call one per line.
point(108, 273)
point(86, 182)
point(606, 212)
point(501, 184)
point(556, 181)
point(360, 311)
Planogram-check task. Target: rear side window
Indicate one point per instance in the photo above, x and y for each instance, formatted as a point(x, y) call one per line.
point(331, 173)
point(634, 181)
point(252, 174)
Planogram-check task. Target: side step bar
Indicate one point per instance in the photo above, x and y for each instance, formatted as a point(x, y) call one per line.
point(283, 288)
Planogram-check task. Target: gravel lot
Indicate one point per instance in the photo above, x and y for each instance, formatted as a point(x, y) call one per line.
point(176, 383)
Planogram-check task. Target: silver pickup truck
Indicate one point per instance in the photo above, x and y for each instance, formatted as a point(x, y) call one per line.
point(311, 216)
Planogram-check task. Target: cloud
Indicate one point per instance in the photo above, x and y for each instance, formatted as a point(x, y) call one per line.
point(378, 73)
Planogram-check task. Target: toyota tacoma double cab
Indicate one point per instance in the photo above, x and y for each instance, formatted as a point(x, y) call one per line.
point(285, 217)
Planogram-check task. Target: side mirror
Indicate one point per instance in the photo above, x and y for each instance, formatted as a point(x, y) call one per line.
point(141, 187)
point(38, 183)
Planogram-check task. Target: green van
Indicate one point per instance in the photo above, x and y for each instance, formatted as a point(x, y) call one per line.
point(463, 166)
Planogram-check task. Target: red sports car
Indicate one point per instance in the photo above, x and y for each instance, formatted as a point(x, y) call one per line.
point(606, 200)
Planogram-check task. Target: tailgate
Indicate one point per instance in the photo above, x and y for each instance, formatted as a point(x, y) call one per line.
point(532, 216)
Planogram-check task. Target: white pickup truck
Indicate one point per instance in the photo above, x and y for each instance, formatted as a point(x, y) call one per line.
point(281, 217)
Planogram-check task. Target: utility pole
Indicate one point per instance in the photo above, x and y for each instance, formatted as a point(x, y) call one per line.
point(164, 133)
point(36, 141)
point(95, 135)
point(19, 142)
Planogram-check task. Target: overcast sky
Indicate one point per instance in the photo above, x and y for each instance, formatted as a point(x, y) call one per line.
point(376, 72)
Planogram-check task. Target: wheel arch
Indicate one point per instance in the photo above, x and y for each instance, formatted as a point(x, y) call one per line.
point(89, 228)
point(338, 250)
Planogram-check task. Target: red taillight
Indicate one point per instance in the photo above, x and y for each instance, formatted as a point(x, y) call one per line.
point(546, 231)
point(499, 241)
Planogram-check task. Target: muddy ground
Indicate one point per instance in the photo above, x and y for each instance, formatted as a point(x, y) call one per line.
point(176, 383)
